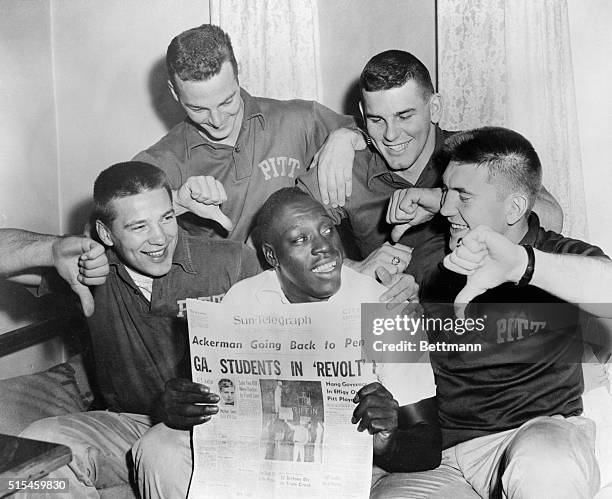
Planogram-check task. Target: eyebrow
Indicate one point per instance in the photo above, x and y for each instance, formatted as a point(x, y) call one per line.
point(399, 113)
point(292, 227)
point(460, 190)
point(144, 221)
point(229, 97)
point(296, 226)
point(135, 222)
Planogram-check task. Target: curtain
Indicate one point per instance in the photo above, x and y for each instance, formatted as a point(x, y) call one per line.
point(508, 63)
point(276, 43)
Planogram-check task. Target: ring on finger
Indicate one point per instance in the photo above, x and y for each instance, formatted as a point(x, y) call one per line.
point(395, 260)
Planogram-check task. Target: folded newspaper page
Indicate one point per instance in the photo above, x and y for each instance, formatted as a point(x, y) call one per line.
point(286, 380)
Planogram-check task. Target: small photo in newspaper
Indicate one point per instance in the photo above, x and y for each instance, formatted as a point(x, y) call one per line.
point(226, 392)
point(293, 422)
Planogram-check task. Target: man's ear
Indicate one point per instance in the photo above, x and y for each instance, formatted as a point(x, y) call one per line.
point(173, 91)
point(269, 254)
point(436, 107)
point(103, 233)
point(517, 205)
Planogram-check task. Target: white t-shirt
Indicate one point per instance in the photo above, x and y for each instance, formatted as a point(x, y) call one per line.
point(408, 382)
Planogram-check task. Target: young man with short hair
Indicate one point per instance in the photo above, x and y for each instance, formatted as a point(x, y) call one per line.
point(234, 149)
point(511, 413)
point(401, 111)
point(138, 331)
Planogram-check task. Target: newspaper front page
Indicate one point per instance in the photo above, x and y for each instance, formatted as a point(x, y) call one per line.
point(286, 380)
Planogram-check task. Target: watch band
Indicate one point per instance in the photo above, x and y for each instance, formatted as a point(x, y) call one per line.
point(528, 274)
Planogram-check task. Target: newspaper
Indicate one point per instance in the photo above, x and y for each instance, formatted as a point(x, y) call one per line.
point(286, 379)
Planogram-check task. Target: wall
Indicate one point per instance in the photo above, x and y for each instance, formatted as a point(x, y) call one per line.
point(591, 39)
point(352, 31)
point(112, 98)
point(28, 145)
point(28, 152)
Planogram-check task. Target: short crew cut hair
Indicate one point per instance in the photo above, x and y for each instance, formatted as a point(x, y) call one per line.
point(198, 53)
point(509, 157)
point(392, 69)
point(122, 180)
point(270, 209)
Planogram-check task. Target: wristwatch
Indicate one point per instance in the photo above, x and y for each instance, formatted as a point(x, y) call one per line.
point(528, 274)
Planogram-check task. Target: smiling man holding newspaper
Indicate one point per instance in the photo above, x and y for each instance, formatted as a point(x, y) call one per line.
point(299, 240)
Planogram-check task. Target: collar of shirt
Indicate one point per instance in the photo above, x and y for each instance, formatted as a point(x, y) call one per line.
point(193, 138)
point(270, 291)
point(181, 258)
point(533, 230)
point(377, 168)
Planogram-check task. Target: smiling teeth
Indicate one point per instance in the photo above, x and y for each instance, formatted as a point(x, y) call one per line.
point(458, 227)
point(398, 147)
point(155, 254)
point(325, 268)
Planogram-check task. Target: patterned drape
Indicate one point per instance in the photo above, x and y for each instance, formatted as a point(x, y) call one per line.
point(276, 43)
point(508, 63)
